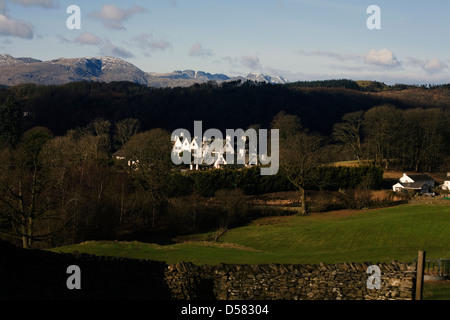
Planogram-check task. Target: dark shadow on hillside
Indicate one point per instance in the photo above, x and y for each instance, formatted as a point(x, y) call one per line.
point(42, 275)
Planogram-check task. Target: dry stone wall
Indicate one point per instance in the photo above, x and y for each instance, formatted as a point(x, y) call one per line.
point(35, 274)
point(346, 281)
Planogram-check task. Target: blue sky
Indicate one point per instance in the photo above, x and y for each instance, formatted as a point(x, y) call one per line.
point(297, 39)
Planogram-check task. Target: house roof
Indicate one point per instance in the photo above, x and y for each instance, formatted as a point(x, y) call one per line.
point(119, 153)
point(413, 185)
point(197, 140)
point(420, 177)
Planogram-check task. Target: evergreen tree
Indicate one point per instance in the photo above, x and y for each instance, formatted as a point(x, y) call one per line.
point(11, 116)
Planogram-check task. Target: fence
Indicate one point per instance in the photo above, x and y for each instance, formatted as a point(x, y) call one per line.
point(437, 267)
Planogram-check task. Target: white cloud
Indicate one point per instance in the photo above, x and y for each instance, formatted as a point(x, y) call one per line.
point(197, 50)
point(88, 39)
point(435, 66)
point(251, 62)
point(2, 6)
point(346, 68)
point(415, 62)
point(383, 57)
point(15, 28)
point(330, 54)
point(114, 51)
point(63, 39)
point(42, 3)
point(113, 17)
point(232, 61)
point(148, 41)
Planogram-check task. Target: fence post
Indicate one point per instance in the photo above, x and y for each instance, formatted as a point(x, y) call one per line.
point(439, 267)
point(420, 274)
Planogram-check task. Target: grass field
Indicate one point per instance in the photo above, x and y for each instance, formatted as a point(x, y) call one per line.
point(378, 235)
point(436, 290)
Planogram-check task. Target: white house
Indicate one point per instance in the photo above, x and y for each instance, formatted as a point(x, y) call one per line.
point(219, 149)
point(422, 183)
point(446, 185)
point(220, 161)
point(196, 147)
point(252, 160)
point(228, 148)
point(178, 145)
point(121, 156)
point(186, 144)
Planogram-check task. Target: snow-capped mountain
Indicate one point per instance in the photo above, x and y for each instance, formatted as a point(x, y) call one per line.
point(191, 74)
point(183, 78)
point(189, 77)
point(15, 71)
point(258, 77)
point(8, 60)
point(105, 69)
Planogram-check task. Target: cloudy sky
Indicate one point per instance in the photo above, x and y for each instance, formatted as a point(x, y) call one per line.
point(297, 39)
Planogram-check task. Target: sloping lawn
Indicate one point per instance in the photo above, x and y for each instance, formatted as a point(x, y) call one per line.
point(379, 235)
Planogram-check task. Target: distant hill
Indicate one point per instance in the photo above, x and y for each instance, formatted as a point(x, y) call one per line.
point(14, 71)
point(438, 97)
point(60, 71)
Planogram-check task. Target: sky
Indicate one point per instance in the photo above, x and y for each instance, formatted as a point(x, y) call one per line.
point(297, 39)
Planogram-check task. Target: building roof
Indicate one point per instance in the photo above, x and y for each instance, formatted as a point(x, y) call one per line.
point(420, 177)
point(413, 185)
point(119, 153)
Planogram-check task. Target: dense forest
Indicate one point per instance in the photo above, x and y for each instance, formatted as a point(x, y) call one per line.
point(230, 105)
point(59, 183)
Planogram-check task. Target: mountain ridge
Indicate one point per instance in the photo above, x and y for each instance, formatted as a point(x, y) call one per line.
point(14, 71)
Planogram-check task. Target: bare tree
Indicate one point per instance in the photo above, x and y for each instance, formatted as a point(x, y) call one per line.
point(381, 127)
point(125, 129)
point(299, 154)
point(287, 124)
point(100, 131)
point(26, 189)
point(149, 156)
point(83, 147)
point(299, 159)
point(349, 132)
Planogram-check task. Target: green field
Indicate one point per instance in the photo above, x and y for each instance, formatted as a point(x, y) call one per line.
point(379, 235)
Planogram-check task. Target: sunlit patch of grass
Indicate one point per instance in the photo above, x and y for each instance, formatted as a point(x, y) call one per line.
point(378, 235)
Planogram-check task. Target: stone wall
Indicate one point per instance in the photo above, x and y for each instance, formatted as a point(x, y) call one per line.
point(36, 274)
point(346, 281)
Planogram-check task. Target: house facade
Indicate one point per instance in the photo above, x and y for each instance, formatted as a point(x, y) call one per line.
point(422, 183)
point(446, 185)
point(221, 150)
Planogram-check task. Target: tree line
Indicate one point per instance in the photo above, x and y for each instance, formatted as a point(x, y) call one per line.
point(73, 105)
point(414, 139)
point(66, 188)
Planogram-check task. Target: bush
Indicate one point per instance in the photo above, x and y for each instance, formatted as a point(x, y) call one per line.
point(251, 182)
point(180, 185)
point(235, 207)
